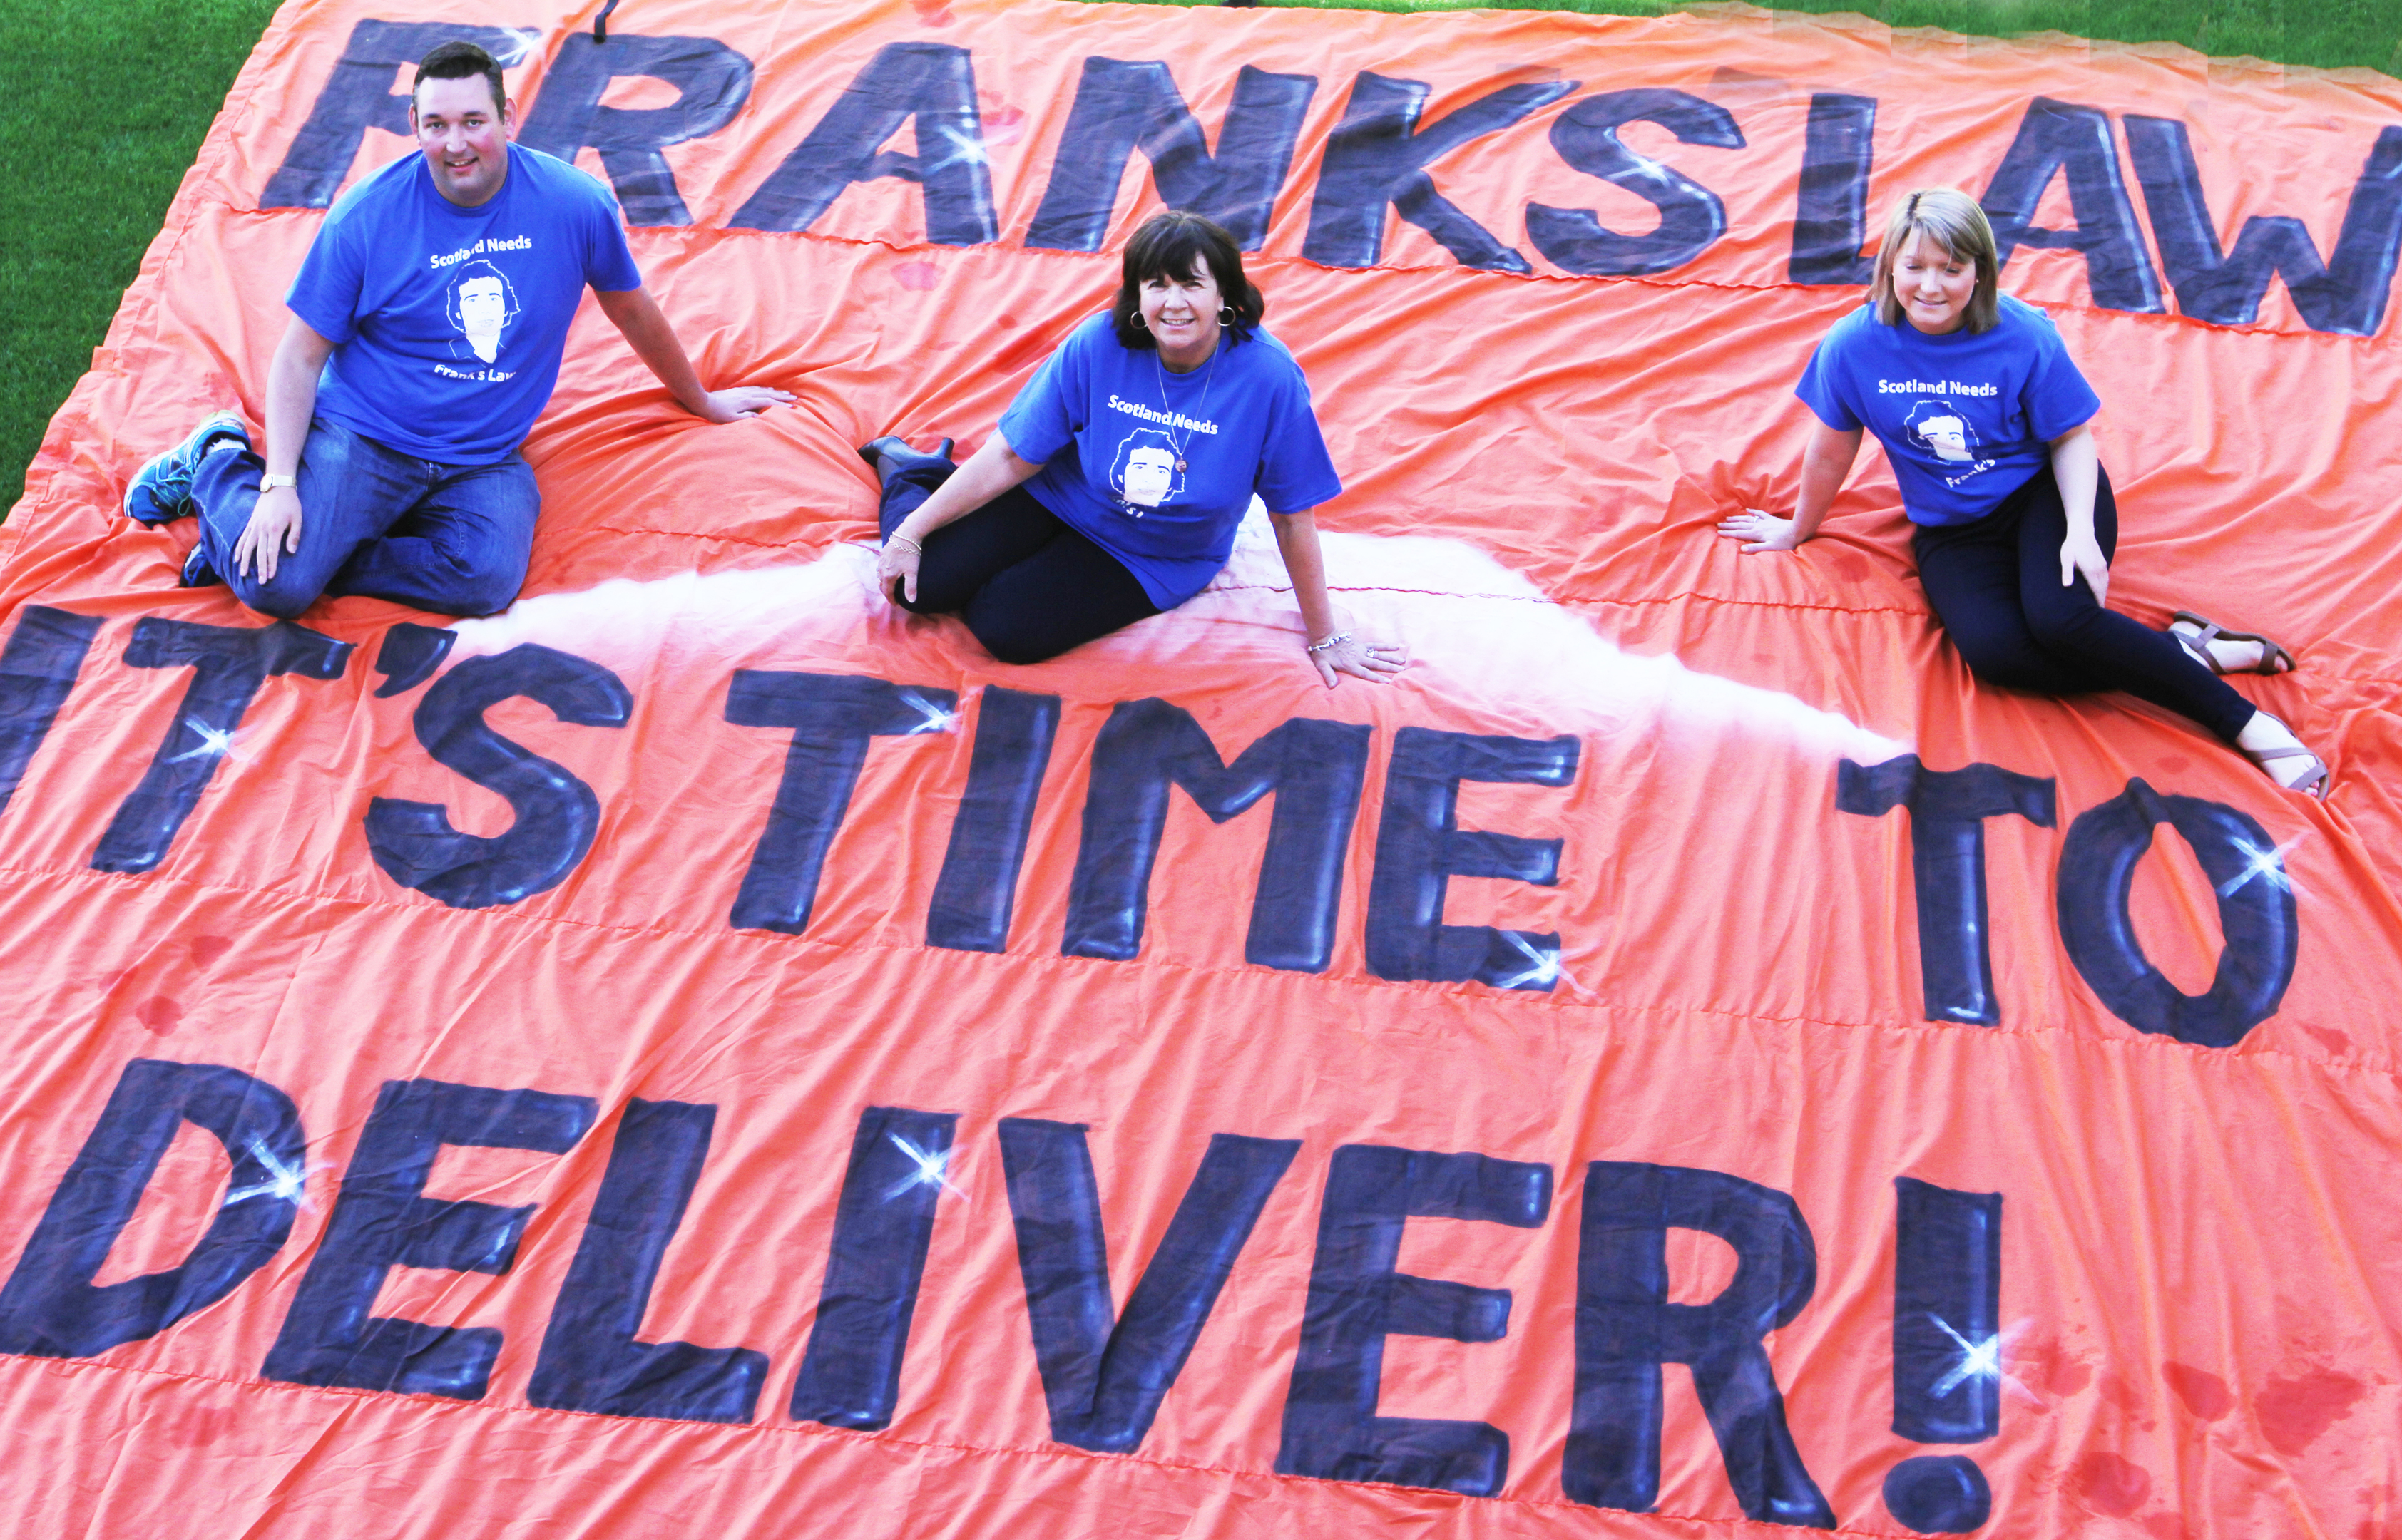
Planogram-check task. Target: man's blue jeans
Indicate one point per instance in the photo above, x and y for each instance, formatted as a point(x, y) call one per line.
point(452, 539)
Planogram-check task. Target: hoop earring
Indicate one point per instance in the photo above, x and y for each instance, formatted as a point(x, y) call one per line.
point(1225, 315)
point(1138, 322)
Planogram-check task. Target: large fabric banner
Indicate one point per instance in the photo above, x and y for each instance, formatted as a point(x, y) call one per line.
point(704, 1053)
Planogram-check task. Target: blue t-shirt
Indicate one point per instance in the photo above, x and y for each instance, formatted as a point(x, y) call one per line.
point(1157, 467)
point(448, 324)
point(1965, 418)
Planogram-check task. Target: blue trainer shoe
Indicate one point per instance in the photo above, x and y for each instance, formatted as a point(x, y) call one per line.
point(161, 491)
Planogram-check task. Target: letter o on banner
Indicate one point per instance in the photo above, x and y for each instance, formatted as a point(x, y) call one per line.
point(2255, 912)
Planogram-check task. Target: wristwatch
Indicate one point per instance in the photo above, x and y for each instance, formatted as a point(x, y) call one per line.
point(268, 482)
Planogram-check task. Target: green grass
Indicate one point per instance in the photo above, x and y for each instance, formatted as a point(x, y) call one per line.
point(2328, 33)
point(103, 104)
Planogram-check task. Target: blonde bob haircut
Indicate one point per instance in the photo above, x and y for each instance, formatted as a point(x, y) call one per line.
point(1951, 219)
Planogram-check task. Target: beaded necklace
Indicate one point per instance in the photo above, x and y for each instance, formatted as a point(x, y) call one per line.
point(1167, 415)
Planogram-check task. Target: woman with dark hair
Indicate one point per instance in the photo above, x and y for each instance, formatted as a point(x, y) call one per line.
point(1988, 426)
point(1112, 486)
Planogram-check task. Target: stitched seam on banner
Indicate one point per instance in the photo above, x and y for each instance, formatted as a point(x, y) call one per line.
point(1266, 262)
point(830, 547)
point(1623, 604)
point(1553, 1001)
point(844, 1435)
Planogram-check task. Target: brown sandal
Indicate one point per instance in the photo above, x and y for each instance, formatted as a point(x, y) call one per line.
point(2274, 658)
point(2311, 783)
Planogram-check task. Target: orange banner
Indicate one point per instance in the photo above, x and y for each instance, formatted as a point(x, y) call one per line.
point(705, 1051)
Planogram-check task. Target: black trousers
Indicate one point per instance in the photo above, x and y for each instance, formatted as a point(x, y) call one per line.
point(1027, 583)
point(1994, 582)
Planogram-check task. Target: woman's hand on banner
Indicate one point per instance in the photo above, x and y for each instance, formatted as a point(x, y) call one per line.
point(898, 563)
point(1764, 531)
point(1342, 652)
point(2081, 554)
point(742, 401)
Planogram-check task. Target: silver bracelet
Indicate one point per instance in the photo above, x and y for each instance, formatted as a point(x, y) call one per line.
point(1336, 640)
point(905, 540)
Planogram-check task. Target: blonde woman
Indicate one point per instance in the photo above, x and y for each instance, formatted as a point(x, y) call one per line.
point(1988, 425)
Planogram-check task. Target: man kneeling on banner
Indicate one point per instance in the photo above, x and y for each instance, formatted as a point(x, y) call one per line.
point(1988, 424)
point(428, 320)
point(1113, 485)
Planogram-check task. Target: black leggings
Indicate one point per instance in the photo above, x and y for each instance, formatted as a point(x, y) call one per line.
point(1027, 584)
point(1994, 582)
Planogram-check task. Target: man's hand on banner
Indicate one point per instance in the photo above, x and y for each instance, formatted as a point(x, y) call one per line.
point(273, 532)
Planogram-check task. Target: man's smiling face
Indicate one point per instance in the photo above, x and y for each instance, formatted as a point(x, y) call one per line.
point(464, 136)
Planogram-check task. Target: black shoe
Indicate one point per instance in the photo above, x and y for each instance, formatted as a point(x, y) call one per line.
point(889, 455)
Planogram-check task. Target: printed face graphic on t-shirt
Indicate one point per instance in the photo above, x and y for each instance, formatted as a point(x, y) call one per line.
point(1942, 431)
point(481, 303)
point(1947, 436)
point(1144, 469)
point(1149, 473)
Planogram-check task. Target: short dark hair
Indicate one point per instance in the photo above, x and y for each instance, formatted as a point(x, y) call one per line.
point(456, 61)
point(1165, 247)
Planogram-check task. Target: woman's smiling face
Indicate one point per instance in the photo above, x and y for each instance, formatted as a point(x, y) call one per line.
point(1933, 285)
point(1182, 314)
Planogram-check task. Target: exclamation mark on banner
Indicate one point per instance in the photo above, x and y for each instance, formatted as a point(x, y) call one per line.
point(1947, 1351)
